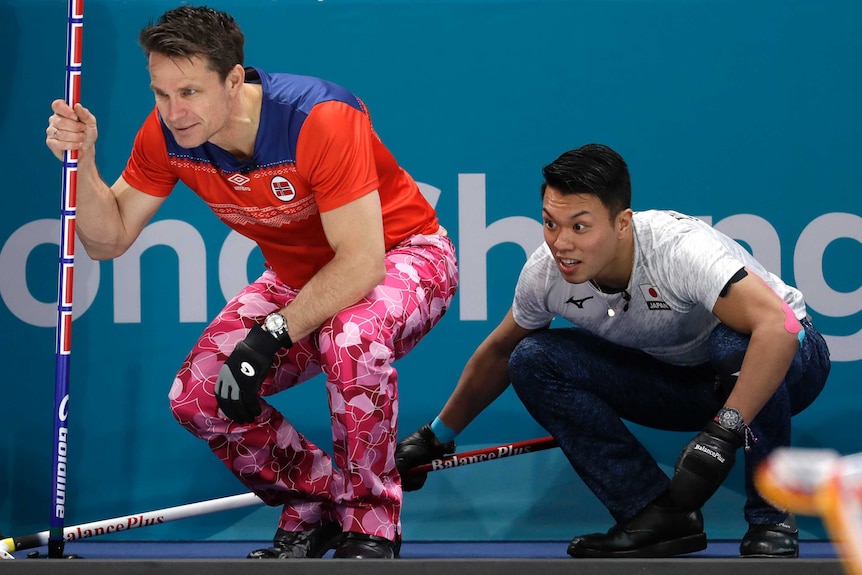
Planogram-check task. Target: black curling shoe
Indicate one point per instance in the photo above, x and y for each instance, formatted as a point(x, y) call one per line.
point(778, 540)
point(656, 531)
point(313, 543)
point(362, 546)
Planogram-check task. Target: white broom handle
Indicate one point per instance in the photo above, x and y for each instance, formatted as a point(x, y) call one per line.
point(135, 521)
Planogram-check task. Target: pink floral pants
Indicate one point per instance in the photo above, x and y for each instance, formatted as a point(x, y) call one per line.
point(359, 486)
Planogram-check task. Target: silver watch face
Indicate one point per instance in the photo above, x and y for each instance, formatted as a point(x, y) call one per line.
point(275, 324)
point(729, 418)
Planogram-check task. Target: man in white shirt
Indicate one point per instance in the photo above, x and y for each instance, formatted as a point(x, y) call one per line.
point(677, 328)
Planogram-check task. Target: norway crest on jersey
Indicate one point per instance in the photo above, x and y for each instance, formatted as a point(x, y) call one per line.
point(282, 188)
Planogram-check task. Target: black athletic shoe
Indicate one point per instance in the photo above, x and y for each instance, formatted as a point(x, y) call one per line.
point(771, 541)
point(362, 546)
point(656, 531)
point(313, 543)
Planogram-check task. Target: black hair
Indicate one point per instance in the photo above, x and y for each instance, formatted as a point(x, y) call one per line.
point(592, 169)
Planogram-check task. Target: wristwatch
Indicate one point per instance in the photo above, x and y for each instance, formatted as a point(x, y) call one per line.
point(729, 418)
point(277, 326)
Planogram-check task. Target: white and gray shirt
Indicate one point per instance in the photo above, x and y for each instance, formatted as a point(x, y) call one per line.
point(681, 264)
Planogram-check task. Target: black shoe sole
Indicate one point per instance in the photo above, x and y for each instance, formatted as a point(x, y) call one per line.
point(769, 544)
point(325, 547)
point(765, 556)
point(681, 546)
point(354, 548)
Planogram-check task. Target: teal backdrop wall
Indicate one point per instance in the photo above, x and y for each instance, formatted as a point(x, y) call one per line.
point(743, 113)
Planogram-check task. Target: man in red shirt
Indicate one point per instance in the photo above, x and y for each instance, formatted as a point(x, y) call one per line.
point(358, 270)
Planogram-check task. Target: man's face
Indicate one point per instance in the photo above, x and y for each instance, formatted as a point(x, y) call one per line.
point(582, 237)
point(193, 102)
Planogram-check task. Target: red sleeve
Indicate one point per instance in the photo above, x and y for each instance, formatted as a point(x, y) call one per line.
point(147, 169)
point(335, 154)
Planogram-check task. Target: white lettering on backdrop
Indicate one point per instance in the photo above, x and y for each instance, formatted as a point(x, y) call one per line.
point(476, 237)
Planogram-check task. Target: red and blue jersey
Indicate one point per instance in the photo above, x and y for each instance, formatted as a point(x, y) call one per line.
point(316, 150)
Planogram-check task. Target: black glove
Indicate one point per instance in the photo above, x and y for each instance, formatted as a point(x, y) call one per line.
point(704, 464)
point(416, 449)
point(241, 375)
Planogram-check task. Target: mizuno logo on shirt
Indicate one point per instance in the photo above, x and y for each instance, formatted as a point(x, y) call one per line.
point(579, 302)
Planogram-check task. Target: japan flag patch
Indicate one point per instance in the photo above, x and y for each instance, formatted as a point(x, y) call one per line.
point(653, 297)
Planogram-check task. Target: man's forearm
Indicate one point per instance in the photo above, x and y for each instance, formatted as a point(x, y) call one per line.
point(765, 365)
point(481, 382)
point(98, 221)
point(339, 284)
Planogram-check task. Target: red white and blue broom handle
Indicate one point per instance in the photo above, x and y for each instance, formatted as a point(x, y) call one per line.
point(59, 474)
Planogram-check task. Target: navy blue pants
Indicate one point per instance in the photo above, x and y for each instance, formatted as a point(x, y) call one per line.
point(580, 388)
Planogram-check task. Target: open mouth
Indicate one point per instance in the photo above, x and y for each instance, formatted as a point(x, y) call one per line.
point(568, 264)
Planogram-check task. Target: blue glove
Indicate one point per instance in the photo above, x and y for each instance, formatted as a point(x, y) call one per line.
point(704, 464)
point(239, 379)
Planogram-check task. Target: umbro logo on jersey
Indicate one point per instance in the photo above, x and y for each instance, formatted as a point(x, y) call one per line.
point(579, 302)
point(282, 188)
point(239, 182)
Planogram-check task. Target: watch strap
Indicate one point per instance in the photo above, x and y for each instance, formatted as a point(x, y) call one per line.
point(262, 341)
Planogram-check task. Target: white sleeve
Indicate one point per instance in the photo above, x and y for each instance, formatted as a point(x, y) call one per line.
point(530, 304)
